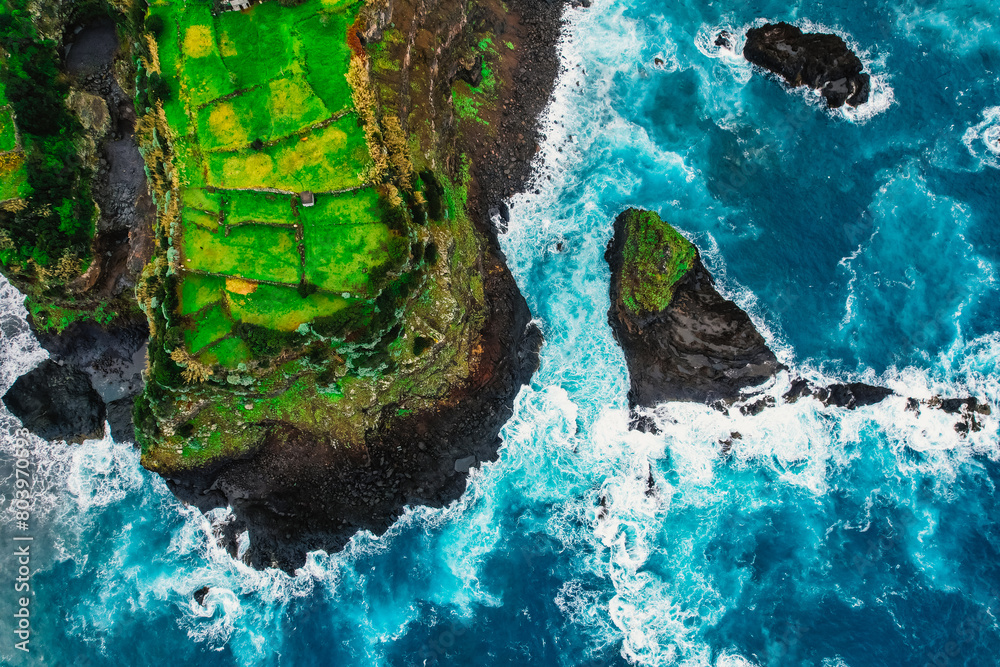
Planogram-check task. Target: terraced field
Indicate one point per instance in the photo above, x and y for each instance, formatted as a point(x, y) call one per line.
point(13, 177)
point(261, 112)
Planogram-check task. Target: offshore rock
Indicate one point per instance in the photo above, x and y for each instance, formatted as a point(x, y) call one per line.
point(57, 403)
point(704, 348)
point(817, 60)
point(850, 395)
point(701, 347)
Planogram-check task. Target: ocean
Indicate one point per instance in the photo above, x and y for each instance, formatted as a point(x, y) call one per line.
point(864, 245)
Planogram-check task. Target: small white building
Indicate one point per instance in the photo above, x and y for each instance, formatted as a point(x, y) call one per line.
point(239, 5)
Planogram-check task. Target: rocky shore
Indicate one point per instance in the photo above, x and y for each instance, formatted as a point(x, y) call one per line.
point(94, 370)
point(821, 61)
point(91, 376)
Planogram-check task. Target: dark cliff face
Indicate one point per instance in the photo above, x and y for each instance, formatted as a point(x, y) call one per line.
point(297, 494)
point(701, 347)
point(820, 61)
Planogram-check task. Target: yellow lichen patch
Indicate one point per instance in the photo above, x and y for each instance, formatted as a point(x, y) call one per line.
point(241, 171)
point(226, 126)
point(312, 152)
point(228, 47)
point(288, 98)
point(240, 286)
point(198, 41)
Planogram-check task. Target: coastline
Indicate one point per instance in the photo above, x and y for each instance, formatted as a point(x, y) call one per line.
point(295, 494)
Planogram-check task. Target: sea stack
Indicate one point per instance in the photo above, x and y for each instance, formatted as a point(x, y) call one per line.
point(682, 340)
point(817, 60)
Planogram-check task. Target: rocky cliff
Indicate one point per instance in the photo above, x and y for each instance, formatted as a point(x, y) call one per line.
point(466, 82)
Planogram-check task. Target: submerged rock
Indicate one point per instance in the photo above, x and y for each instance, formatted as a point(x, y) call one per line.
point(817, 60)
point(685, 342)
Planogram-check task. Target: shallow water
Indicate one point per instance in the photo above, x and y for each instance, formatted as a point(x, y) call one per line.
point(863, 244)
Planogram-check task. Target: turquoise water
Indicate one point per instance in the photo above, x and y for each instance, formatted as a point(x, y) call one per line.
point(864, 245)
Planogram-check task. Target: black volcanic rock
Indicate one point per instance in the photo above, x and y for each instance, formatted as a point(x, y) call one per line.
point(852, 395)
point(57, 403)
point(701, 347)
point(94, 361)
point(201, 594)
point(817, 60)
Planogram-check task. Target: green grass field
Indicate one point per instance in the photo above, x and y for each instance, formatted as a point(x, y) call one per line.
point(242, 207)
point(210, 327)
point(340, 257)
point(254, 252)
point(268, 112)
point(352, 208)
point(281, 307)
point(331, 158)
point(230, 352)
point(202, 199)
point(197, 291)
point(249, 89)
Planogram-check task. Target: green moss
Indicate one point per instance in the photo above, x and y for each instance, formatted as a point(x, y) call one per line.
point(655, 257)
point(54, 318)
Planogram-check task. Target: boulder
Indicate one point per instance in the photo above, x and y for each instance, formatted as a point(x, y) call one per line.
point(57, 403)
point(817, 60)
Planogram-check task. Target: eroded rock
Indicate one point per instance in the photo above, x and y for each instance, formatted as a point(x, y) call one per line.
point(821, 61)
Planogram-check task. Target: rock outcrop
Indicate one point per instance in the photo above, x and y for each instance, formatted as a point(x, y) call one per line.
point(701, 347)
point(817, 60)
point(698, 346)
point(57, 403)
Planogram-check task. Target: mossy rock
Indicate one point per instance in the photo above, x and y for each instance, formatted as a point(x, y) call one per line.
point(655, 258)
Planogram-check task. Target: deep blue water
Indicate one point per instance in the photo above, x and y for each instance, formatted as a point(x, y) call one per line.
point(864, 245)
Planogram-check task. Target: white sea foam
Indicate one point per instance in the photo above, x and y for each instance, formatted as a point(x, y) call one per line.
point(983, 139)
